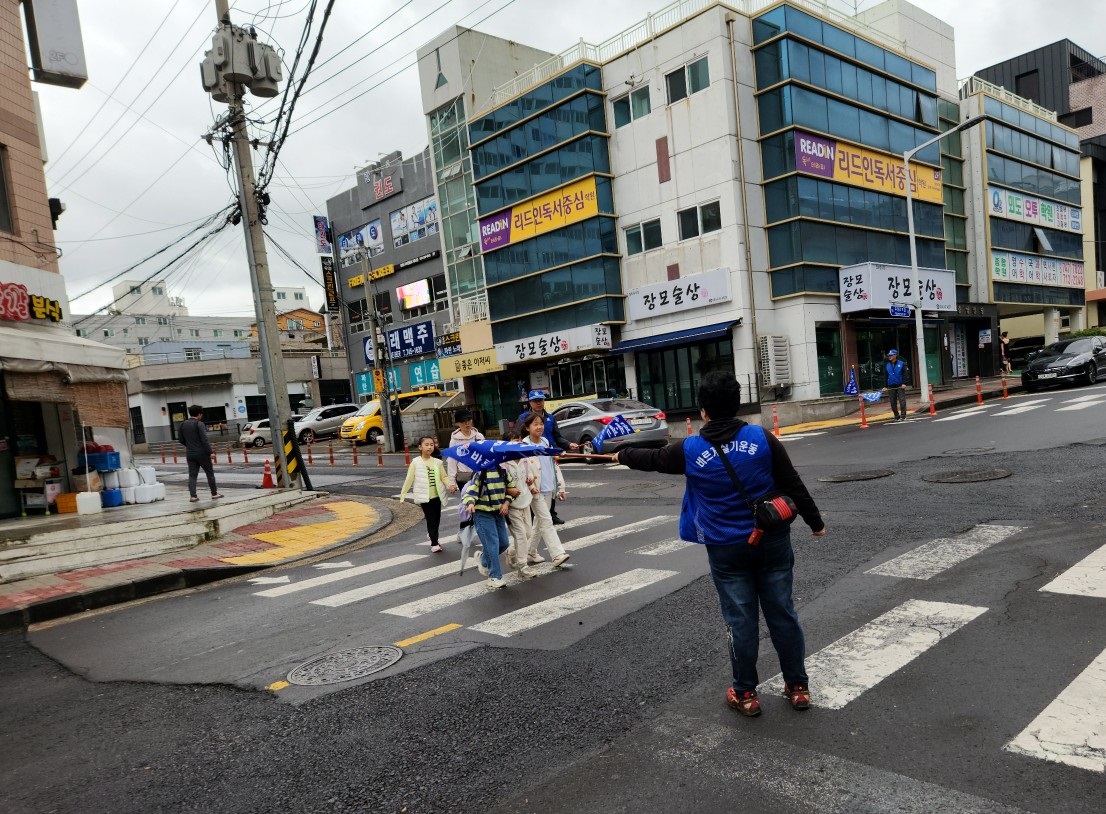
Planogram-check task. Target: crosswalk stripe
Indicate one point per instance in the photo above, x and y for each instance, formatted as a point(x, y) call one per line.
point(568, 524)
point(1024, 408)
point(1081, 405)
point(658, 549)
point(1095, 398)
point(1086, 578)
point(326, 579)
point(936, 556)
point(860, 660)
point(641, 525)
point(519, 621)
point(797, 435)
point(973, 411)
point(1070, 729)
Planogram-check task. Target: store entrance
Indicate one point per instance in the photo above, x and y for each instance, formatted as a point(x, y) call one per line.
point(9, 499)
point(872, 345)
point(178, 412)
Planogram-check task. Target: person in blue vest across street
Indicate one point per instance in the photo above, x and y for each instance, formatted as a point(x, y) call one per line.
point(896, 379)
point(551, 434)
point(751, 567)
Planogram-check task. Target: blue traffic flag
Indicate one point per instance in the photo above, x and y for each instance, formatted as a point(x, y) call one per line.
point(872, 397)
point(617, 427)
point(851, 389)
point(480, 456)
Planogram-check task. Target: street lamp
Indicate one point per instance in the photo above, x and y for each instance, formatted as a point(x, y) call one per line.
point(920, 342)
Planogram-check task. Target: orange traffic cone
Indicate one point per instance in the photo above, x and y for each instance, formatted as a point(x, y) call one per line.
point(267, 480)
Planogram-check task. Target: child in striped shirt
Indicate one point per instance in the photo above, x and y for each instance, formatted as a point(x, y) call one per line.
point(489, 496)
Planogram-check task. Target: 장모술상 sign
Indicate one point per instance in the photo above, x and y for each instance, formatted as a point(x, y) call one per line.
point(876, 286)
point(861, 167)
point(563, 206)
point(684, 294)
point(554, 343)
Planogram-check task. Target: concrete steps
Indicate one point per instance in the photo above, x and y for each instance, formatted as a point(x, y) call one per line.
point(101, 540)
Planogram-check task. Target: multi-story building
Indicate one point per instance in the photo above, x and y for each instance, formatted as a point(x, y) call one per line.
point(55, 387)
point(1069, 80)
point(388, 245)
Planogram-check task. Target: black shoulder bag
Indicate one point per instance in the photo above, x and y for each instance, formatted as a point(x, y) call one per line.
point(770, 512)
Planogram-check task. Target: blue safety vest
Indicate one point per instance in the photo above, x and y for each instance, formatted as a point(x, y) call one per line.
point(895, 372)
point(713, 511)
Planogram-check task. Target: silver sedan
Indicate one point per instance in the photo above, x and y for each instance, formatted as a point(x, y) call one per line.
point(581, 421)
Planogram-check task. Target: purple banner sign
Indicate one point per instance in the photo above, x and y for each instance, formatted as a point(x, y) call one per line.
point(495, 231)
point(814, 155)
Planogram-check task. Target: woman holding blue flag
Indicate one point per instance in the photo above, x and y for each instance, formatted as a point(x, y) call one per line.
point(550, 481)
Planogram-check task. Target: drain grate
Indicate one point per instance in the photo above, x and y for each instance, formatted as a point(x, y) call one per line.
point(966, 476)
point(345, 665)
point(873, 474)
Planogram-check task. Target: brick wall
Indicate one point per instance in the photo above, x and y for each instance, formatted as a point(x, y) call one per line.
point(1090, 93)
point(26, 180)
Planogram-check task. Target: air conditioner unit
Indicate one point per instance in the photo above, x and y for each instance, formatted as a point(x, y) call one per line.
point(775, 361)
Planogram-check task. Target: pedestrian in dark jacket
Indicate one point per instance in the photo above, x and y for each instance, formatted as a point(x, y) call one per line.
point(192, 432)
point(896, 378)
point(551, 433)
point(748, 570)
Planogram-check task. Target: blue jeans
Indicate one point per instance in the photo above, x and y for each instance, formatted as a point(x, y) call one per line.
point(744, 576)
point(492, 529)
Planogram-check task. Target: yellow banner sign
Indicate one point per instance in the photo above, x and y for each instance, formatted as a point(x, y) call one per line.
point(356, 280)
point(560, 207)
point(861, 167)
point(469, 364)
point(383, 271)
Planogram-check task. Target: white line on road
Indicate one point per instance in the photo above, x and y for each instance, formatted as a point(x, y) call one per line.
point(857, 662)
point(936, 556)
point(388, 585)
point(1086, 578)
point(1072, 729)
point(659, 549)
point(592, 539)
point(796, 436)
point(1025, 408)
point(1082, 403)
point(568, 524)
point(511, 624)
point(339, 575)
point(971, 411)
point(1095, 397)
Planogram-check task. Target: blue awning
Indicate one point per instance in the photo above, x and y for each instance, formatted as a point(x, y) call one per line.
point(700, 334)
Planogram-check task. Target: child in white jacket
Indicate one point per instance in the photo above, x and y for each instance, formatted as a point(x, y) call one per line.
point(431, 490)
point(527, 475)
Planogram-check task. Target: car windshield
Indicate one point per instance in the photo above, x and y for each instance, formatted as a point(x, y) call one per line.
point(619, 405)
point(368, 408)
point(1070, 346)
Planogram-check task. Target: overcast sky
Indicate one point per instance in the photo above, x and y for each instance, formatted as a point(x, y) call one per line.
point(126, 154)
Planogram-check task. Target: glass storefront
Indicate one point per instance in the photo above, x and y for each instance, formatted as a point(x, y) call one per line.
point(669, 378)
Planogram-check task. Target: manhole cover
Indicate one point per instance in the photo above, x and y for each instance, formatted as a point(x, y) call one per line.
point(345, 665)
point(967, 476)
point(969, 451)
point(851, 476)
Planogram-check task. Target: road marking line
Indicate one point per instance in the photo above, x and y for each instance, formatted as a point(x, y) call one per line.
point(592, 539)
point(859, 661)
point(963, 414)
point(1025, 408)
point(796, 436)
point(430, 634)
point(938, 555)
point(568, 524)
point(446, 599)
point(515, 622)
point(278, 685)
point(1086, 578)
point(1070, 729)
point(388, 585)
point(1077, 400)
point(339, 575)
point(658, 549)
point(1082, 405)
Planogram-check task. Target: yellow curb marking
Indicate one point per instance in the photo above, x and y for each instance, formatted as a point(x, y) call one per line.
point(353, 517)
point(422, 637)
point(278, 685)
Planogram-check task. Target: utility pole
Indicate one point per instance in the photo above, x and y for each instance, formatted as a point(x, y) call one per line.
point(272, 362)
point(378, 356)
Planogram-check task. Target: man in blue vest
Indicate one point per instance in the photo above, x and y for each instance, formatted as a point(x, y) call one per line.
point(896, 377)
point(749, 570)
point(552, 434)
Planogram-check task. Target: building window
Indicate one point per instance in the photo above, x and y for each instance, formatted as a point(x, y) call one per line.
point(140, 320)
point(136, 290)
point(643, 237)
point(192, 354)
point(687, 80)
point(143, 341)
point(294, 325)
point(670, 377)
point(238, 334)
point(282, 295)
point(299, 295)
point(109, 332)
point(632, 106)
point(162, 320)
point(158, 290)
point(194, 332)
point(699, 220)
point(126, 331)
point(7, 224)
point(180, 331)
point(217, 332)
point(1028, 85)
point(82, 332)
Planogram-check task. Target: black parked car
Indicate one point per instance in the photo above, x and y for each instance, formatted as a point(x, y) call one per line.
point(1080, 359)
point(1022, 349)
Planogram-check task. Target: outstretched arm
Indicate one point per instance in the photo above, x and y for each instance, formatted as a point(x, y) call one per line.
point(669, 459)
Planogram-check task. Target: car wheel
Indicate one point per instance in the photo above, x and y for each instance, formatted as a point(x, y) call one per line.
point(259, 442)
point(588, 448)
point(374, 436)
point(1091, 373)
point(1030, 388)
point(307, 437)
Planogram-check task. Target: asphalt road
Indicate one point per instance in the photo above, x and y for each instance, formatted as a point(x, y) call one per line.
point(616, 705)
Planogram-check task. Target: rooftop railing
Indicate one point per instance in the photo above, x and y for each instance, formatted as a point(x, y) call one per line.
point(973, 85)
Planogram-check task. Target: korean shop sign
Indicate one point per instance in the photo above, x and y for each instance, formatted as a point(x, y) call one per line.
point(859, 167)
point(16, 305)
point(563, 206)
point(469, 364)
point(1013, 267)
point(411, 340)
point(675, 296)
point(448, 344)
point(875, 286)
point(1039, 211)
point(553, 344)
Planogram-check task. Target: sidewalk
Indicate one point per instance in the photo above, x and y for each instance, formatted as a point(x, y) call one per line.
point(286, 533)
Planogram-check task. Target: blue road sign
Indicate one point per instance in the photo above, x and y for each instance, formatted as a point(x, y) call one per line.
point(900, 310)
